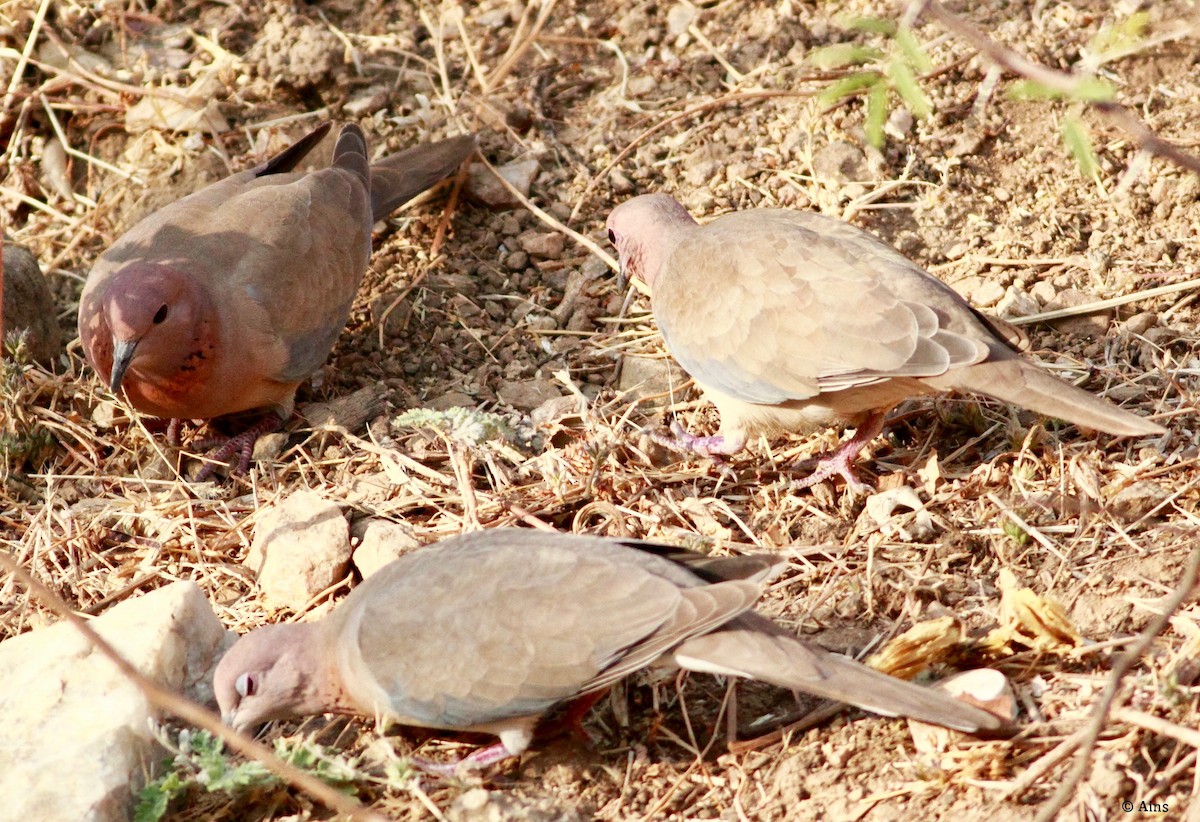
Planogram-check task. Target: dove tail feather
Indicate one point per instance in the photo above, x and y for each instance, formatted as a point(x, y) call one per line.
point(291, 156)
point(1021, 383)
point(769, 654)
point(350, 152)
point(398, 178)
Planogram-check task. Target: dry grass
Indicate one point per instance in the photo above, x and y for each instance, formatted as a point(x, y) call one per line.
point(104, 512)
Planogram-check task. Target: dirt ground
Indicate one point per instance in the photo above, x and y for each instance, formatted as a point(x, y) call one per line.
point(466, 304)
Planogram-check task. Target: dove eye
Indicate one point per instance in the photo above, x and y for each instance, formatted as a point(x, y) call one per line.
point(246, 685)
point(612, 236)
point(160, 315)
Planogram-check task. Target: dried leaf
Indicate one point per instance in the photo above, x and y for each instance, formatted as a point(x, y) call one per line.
point(921, 646)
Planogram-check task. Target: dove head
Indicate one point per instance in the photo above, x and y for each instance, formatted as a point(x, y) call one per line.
point(272, 673)
point(155, 314)
point(644, 231)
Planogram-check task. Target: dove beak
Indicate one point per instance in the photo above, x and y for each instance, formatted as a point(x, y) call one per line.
point(123, 351)
point(622, 278)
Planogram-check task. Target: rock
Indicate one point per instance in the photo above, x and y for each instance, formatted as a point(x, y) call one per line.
point(1043, 291)
point(643, 377)
point(1090, 326)
point(301, 547)
point(1137, 500)
point(1016, 303)
point(451, 399)
point(986, 294)
point(984, 688)
point(699, 173)
point(381, 542)
point(28, 305)
point(526, 395)
point(548, 245)
point(483, 186)
point(367, 101)
point(516, 261)
point(679, 18)
point(482, 805)
point(1141, 322)
point(77, 740)
point(840, 162)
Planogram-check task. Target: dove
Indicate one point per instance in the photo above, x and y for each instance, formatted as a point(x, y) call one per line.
point(489, 630)
point(226, 300)
point(790, 321)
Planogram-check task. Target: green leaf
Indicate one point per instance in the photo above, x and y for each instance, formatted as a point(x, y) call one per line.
point(846, 86)
point(877, 111)
point(1086, 90)
point(840, 55)
point(913, 51)
point(906, 85)
point(154, 799)
point(1079, 143)
point(1121, 38)
point(871, 25)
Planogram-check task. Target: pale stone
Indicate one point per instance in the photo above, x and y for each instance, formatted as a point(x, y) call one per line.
point(77, 741)
point(483, 186)
point(301, 547)
point(1016, 303)
point(382, 542)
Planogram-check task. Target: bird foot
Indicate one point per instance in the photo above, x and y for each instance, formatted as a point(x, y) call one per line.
point(241, 444)
point(837, 464)
point(841, 462)
point(682, 442)
point(482, 758)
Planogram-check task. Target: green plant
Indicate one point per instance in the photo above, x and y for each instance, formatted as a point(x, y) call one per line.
point(892, 71)
point(199, 760)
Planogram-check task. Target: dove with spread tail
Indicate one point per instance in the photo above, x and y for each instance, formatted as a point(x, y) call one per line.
point(792, 322)
point(226, 300)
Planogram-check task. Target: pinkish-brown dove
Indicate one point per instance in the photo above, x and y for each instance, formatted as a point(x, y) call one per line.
point(490, 630)
point(792, 321)
point(226, 300)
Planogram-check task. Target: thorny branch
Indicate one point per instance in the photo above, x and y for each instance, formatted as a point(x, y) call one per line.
point(1186, 587)
point(1061, 81)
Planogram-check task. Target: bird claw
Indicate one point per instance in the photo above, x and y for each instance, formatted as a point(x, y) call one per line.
point(841, 462)
point(834, 465)
point(241, 444)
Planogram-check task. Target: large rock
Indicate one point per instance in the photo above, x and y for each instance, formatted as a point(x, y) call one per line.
point(301, 547)
point(28, 305)
point(77, 742)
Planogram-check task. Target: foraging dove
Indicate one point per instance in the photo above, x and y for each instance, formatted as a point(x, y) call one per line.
point(490, 630)
point(792, 321)
point(226, 300)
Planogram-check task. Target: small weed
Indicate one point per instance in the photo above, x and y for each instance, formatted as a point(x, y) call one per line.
point(200, 760)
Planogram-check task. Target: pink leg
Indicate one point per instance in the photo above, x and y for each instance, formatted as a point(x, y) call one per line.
point(482, 758)
point(173, 429)
point(681, 442)
point(841, 462)
point(242, 445)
